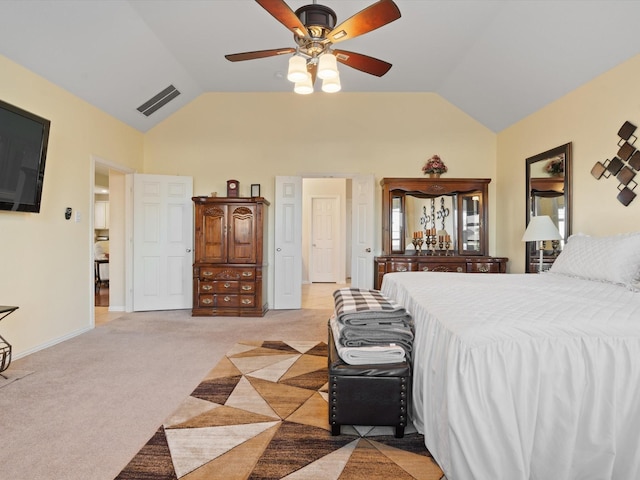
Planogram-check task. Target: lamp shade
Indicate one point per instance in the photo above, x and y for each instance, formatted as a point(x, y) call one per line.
point(541, 228)
point(327, 66)
point(297, 69)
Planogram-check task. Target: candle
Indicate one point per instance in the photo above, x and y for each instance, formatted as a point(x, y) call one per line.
point(440, 238)
point(447, 238)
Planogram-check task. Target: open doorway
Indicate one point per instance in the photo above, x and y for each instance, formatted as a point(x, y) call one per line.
point(101, 253)
point(289, 269)
point(108, 220)
point(326, 237)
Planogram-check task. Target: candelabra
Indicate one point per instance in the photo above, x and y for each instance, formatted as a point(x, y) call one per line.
point(417, 245)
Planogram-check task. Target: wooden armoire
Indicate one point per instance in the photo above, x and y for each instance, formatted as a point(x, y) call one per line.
point(229, 271)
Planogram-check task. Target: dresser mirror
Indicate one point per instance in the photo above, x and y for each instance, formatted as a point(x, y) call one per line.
point(548, 192)
point(452, 209)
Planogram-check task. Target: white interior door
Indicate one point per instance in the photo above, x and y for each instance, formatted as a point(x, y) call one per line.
point(287, 290)
point(362, 233)
point(325, 217)
point(162, 242)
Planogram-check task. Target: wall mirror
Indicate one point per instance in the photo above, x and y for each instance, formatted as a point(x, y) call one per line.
point(548, 192)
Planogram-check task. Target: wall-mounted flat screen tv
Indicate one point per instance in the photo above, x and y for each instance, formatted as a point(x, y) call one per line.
point(23, 152)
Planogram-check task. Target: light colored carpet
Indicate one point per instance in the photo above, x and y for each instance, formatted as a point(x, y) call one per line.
point(11, 375)
point(93, 401)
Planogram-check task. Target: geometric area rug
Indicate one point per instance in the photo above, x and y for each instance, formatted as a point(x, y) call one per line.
point(262, 414)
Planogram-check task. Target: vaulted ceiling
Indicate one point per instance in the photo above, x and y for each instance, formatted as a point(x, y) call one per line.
point(498, 61)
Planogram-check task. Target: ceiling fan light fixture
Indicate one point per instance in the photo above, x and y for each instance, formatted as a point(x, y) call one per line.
point(304, 87)
point(297, 69)
point(327, 66)
point(331, 85)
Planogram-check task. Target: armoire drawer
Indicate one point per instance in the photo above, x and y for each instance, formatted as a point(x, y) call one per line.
point(226, 273)
point(226, 286)
point(222, 300)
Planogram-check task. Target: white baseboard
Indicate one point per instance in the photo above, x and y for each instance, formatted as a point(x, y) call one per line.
point(117, 308)
point(51, 343)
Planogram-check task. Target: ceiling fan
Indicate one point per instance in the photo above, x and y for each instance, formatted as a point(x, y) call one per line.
point(314, 31)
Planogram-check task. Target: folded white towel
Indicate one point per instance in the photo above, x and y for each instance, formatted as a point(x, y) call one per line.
point(371, 355)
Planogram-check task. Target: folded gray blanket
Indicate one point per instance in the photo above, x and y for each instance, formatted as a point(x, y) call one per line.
point(358, 306)
point(367, 355)
point(383, 335)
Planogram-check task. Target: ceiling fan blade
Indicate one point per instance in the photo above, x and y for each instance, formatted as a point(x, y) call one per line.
point(372, 17)
point(239, 57)
point(361, 62)
point(283, 13)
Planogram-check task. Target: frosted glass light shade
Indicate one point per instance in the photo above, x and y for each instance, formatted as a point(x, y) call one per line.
point(327, 66)
point(297, 69)
point(331, 85)
point(304, 87)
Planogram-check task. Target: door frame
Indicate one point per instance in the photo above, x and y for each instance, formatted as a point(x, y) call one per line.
point(375, 221)
point(95, 160)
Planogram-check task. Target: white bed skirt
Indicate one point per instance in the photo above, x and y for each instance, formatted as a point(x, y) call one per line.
point(525, 376)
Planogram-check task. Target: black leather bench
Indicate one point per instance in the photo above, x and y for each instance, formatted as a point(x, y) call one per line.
point(367, 394)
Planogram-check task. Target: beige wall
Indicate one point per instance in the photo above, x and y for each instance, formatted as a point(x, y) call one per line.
point(590, 118)
point(254, 137)
point(44, 259)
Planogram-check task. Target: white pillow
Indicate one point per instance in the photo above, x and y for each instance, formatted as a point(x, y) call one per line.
point(614, 259)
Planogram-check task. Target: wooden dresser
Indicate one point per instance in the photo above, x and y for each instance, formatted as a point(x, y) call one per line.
point(425, 263)
point(456, 207)
point(229, 272)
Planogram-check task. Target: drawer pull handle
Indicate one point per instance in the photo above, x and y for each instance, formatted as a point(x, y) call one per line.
point(483, 268)
point(207, 273)
point(207, 287)
point(402, 269)
point(247, 274)
point(459, 269)
point(246, 288)
point(207, 301)
point(425, 269)
point(246, 301)
point(227, 299)
point(227, 285)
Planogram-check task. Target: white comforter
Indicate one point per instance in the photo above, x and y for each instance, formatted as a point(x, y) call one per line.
point(525, 376)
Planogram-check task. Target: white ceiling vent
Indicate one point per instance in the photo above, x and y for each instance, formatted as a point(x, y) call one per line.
point(159, 100)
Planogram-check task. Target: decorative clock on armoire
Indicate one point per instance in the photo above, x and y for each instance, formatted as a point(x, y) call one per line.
point(232, 188)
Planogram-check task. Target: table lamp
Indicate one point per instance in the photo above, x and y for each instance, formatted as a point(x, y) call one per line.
point(541, 228)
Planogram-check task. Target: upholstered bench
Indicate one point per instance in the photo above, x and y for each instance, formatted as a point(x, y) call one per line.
point(367, 394)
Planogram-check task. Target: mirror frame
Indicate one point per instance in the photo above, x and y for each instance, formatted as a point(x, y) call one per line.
point(542, 157)
point(436, 187)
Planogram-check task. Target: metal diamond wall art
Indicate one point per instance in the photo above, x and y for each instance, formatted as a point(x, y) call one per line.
point(624, 166)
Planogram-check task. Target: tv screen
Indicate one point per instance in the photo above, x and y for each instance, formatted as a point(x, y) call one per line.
point(23, 151)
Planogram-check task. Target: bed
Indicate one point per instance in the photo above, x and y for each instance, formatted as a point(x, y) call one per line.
point(530, 376)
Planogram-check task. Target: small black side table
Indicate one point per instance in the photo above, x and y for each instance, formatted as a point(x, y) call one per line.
point(5, 347)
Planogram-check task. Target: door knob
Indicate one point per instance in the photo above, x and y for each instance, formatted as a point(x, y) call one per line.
point(368, 250)
point(188, 250)
point(278, 249)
